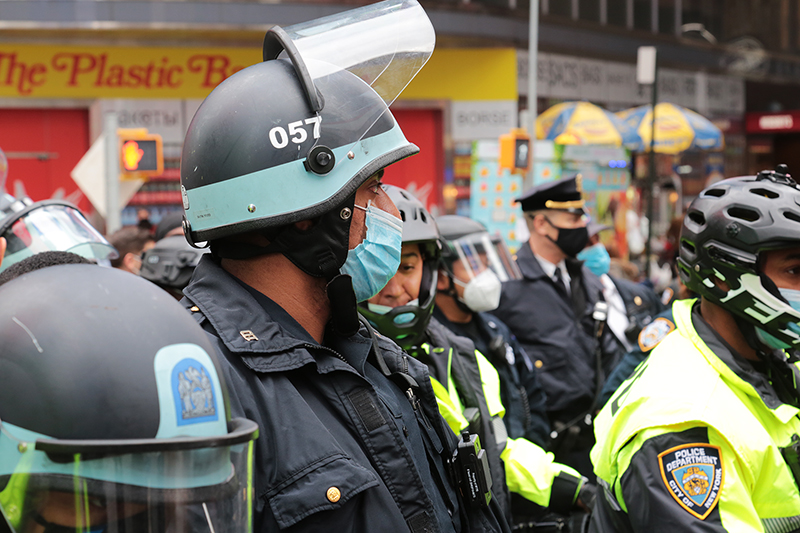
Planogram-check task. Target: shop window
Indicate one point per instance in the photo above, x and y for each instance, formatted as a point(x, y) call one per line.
point(666, 16)
point(589, 10)
point(642, 14)
point(562, 8)
point(617, 13)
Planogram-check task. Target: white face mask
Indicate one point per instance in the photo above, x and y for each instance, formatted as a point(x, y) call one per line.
point(482, 293)
point(403, 318)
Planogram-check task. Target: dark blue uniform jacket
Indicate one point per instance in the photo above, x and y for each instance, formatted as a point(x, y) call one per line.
point(330, 419)
point(558, 332)
point(521, 392)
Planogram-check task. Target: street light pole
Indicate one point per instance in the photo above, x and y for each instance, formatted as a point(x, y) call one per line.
point(651, 178)
point(533, 69)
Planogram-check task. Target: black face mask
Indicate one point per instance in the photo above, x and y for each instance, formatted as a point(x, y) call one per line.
point(570, 240)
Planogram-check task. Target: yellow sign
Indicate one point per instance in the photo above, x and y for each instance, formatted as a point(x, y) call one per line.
point(117, 72)
point(466, 74)
point(38, 71)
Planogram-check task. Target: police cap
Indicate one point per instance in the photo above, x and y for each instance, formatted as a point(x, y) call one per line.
point(565, 194)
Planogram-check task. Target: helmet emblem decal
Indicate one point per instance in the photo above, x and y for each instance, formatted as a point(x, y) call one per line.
point(193, 392)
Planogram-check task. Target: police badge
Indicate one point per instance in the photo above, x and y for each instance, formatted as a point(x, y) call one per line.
point(693, 475)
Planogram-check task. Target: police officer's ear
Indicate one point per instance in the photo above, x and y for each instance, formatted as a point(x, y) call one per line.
point(537, 223)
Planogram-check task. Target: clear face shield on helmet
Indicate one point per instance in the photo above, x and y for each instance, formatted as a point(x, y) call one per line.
point(482, 264)
point(51, 226)
point(181, 484)
point(480, 252)
point(384, 44)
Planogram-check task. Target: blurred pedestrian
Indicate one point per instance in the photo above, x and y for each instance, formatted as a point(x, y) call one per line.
point(130, 242)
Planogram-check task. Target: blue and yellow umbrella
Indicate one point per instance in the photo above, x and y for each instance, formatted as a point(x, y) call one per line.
point(585, 123)
point(677, 129)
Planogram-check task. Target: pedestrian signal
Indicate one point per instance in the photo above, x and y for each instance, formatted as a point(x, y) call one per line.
point(515, 151)
point(141, 154)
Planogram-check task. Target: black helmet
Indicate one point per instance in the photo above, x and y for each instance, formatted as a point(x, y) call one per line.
point(111, 399)
point(292, 138)
point(406, 324)
point(50, 225)
point(725, 230)
point(170, 263)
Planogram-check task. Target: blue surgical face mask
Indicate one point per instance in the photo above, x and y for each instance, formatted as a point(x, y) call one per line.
point(793, 297)
point(375, 260)
point(596, 259)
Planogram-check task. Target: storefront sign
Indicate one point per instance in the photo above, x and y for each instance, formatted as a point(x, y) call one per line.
point(608, 82)
point(487, 119)
point(773, 122)
point(117, 72)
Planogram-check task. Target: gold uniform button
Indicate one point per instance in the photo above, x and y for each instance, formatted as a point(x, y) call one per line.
point(637, 300)
point(333, 494)
point(538, 363)
point(194, 309)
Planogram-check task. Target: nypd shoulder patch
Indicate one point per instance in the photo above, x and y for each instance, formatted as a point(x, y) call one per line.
point(693, 474)
point(654, 332)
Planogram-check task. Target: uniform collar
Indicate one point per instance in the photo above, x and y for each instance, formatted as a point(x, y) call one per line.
point(252, 324)
point(727, 360)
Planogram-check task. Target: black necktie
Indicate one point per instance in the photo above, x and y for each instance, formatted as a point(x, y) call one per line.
point(559, 279)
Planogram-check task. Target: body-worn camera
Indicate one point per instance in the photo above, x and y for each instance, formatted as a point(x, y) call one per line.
point(472, 471)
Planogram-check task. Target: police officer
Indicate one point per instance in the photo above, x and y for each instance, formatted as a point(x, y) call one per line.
point(467, 386)
point(704, 435)
point(170, 264)
point(631, 306)
point(281, 171)
point(28, 228)
point(468, 289)
point(103, 428)
point(557, 313)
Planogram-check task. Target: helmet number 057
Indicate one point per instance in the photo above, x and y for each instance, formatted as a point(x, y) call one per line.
point(280, 138)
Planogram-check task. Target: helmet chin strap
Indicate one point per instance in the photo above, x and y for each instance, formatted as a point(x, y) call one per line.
point(451, 291)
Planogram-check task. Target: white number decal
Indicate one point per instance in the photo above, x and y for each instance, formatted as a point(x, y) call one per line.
point(296, 128)
point(278, 137)
point(316, 121)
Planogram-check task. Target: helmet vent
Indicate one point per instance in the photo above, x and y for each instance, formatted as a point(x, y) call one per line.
point(715, 192)
point(688, 246)
point(791, 215)
point(402, 215)
point(743, 213)
point(423, 217)
point(697, 217)
point(766, 193)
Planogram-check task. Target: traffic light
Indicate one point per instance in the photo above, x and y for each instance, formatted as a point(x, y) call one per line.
point(515, 151)
point(141, 153)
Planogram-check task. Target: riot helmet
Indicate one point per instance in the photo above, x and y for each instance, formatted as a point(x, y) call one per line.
point(476, 261)
point(50, 225)
point(406, 324)
point(293, 138)
point(113, 411)
point(170, 264)
point(725, 233)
